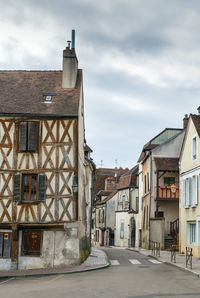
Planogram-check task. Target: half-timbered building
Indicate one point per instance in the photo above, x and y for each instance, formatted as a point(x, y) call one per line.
point(42, 167)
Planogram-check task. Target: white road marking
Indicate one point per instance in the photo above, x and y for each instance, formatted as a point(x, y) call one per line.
point(114, 262)
point(154, 261)
point(134, 262)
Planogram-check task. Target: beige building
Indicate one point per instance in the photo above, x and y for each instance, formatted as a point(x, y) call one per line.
point(158, 172)
point(189, 207)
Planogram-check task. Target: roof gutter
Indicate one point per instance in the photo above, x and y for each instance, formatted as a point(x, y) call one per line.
point(37, 115)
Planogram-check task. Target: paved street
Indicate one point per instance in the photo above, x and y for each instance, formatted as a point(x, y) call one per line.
point(130, 275)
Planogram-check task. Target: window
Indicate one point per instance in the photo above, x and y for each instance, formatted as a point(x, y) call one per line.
point(28, 136)
point(194, 148)
point(97, 235)
point(145, 184)
point(31, 242)
point(168, 181)
point(192, 233)
point(137, 204)
point(123, 201)
point(5, 244)
point(29, 188)
point(147, 181)
point(190, 191)
point(121, 230)
point(141, 203)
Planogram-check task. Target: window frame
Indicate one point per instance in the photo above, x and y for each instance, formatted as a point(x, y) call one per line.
point(23, 199)
point(3, 245)
point(194, 148)
point(27, 138)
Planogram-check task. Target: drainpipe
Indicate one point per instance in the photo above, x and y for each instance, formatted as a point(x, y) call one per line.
point(92, 195)
point(53, 254)
point(150, 153)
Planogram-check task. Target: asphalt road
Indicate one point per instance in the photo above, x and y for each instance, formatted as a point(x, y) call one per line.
point(130, 275)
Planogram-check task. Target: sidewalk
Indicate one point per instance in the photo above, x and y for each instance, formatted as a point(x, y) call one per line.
point(165, 257)
point(96, 260)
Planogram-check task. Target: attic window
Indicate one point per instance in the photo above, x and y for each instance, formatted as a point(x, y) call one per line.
point(48, 97)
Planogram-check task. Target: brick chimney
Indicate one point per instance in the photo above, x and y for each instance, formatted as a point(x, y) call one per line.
point(110, 183)
point(70, 65)
point(185, 121)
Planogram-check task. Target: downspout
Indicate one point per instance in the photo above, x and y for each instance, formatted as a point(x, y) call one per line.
point(92, 195)
point(150, 194)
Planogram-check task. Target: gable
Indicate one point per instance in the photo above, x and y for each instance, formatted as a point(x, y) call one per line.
point(186, 161)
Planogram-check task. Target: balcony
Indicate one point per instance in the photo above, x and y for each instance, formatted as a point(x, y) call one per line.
point(165, 193)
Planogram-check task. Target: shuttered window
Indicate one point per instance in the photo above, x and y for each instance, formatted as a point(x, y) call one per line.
point(29, 188)
point(5, 244)
point(31, 242)
point(28, 136)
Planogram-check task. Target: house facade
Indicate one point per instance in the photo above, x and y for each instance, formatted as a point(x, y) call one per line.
point(190, 188)
point(159, 188)
point(42, 167)
point(127, 209)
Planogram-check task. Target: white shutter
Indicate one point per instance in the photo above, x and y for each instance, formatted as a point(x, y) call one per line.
point(190, 191)
point(187, 193)
point(184, 193)
point(195, 190)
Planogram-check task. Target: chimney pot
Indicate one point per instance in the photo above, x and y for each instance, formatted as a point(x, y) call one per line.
point(185, 121)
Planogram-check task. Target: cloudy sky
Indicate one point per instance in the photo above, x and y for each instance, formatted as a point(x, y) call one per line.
point(141, 63)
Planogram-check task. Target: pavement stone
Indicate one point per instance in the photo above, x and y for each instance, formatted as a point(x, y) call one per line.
point(96, 260)
point(165, 257)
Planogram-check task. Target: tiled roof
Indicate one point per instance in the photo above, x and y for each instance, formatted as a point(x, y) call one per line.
point(167, 163)
point(111, 195)
point(196, 121)
point(129, 178)
point(22, 92)
point(102, 174)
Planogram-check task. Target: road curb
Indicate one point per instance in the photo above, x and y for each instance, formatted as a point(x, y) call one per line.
point(57, 273)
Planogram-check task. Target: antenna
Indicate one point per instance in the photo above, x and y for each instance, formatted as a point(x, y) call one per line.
point(73, 39)
point(101, 163)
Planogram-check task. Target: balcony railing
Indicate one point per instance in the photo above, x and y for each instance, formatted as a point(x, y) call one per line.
point(165, 193)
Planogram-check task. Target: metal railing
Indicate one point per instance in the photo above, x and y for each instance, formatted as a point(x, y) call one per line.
point(155, 248)
point(188, 257)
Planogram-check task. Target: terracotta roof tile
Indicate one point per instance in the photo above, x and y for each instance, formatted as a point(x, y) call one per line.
point(129, 178)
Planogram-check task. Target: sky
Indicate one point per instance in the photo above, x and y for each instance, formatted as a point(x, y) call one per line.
point(140, 61)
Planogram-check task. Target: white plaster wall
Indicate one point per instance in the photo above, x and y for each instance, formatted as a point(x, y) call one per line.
point(122, 216)
point(58, 248)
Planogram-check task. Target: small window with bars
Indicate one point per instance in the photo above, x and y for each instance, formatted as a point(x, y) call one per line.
point(5, 244)
point(28, 136)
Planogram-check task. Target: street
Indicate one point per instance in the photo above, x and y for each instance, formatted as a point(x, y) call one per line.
point(130, 275)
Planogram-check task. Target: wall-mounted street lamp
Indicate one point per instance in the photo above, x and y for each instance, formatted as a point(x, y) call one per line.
point(75, 185)
point(173, 188)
